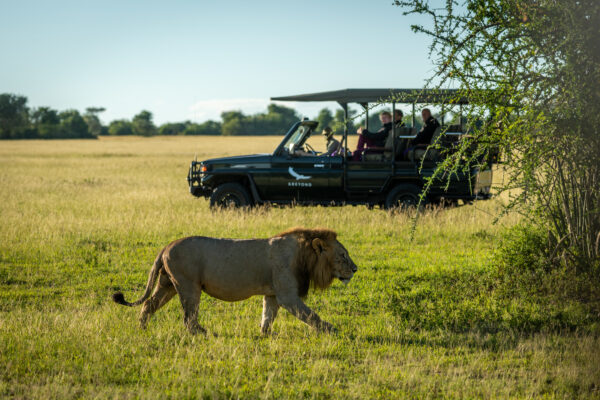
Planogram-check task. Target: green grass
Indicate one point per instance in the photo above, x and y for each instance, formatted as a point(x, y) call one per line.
point(420, 319)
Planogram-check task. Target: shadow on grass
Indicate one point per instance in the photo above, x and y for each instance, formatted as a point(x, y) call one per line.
point(471, 304)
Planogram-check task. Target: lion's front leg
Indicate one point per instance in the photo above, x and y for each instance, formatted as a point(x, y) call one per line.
point(296, 306)
point(270, 308)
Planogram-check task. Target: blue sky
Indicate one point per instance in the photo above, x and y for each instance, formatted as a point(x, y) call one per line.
point(193, 59)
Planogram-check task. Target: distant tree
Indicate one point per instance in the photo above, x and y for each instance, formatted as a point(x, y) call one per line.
point(205, 128)
point(325, 118)
point(95, 110)
point(14, 116)
point(280, 118)
point(92, 120)
point(173, 128)
point(142, 124)
point(72, 125)
point(276, 121)
point(339, 121)
point(233, 123)
point(45, 115)
point(46, 122)
point(120, 127)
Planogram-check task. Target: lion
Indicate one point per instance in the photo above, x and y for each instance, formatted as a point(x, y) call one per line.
point(280, 268)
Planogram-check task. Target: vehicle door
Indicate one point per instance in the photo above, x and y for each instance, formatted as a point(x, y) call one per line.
point(300, 178)
point(367, 176)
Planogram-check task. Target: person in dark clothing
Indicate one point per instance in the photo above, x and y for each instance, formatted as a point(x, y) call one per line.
point(425, 135)
point(373, 139)
point(430, 124)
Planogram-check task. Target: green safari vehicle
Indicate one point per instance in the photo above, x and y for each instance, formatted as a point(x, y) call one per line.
point(386, 179)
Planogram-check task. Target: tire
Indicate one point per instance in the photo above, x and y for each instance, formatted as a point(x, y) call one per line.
point(230, 195)
point(403, 197)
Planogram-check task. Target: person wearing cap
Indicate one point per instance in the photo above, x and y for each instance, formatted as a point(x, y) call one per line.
point(333, 146)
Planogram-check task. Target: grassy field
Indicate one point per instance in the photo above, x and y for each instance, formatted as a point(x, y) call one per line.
point(420, 319)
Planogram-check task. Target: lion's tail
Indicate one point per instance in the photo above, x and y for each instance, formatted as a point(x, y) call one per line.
point(158, 264)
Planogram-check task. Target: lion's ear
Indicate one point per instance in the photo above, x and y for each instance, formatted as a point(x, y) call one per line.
point(319, 245)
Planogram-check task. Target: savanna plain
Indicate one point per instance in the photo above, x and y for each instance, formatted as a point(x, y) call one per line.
point(422, 318)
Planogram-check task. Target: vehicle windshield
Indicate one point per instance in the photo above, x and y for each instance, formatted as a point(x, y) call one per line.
point(297, 139)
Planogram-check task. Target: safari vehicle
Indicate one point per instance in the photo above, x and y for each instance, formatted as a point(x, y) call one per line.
point(383, 179)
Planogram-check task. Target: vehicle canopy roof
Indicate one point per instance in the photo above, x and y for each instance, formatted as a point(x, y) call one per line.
point(365, 96)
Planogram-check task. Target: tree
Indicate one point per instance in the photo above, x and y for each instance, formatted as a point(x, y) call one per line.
point(46, 122)
point(233, 123)
point(532, 70)
point(276, 121)
point(72, 125)
point(172, 128)
point(142, 124)
point(280, 119)
point(339, 120)
point(206, 128)
point(45, 115)
point(14, 116)
point(120, 127)
point(92, 120)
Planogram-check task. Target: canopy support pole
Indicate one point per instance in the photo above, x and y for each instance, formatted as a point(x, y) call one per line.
point(345, 144)
point(365, 106)
point(393, 136)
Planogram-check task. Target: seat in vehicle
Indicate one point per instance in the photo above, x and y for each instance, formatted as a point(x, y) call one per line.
point(391, 145)
point(422, 151)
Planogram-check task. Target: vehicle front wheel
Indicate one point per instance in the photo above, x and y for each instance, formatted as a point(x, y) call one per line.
point(230, 195)
point(403, 197)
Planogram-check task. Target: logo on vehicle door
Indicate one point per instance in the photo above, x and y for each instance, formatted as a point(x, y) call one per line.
point(299, 177)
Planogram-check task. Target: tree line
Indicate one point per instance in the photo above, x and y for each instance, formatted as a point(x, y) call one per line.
point(19, 121)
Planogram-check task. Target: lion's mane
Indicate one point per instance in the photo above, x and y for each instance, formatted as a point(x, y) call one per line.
point(309, 266)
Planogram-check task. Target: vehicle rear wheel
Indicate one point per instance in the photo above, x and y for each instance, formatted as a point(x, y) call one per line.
point(403, 197)
point(230, 195)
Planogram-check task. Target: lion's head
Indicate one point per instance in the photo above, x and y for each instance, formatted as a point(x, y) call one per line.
point(321, 258)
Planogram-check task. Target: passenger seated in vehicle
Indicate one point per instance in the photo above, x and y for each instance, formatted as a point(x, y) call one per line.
point(333, 146)
point(424, 136)
point(430, 124)
point(373, 139)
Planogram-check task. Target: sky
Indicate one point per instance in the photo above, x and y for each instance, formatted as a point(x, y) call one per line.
point(191, 60)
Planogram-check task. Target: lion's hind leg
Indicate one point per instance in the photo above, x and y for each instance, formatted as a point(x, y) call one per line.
point(270, 308)
point(163, 292)
point(189, 295)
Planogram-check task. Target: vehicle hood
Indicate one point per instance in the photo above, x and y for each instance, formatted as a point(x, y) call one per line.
point(251, 161)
